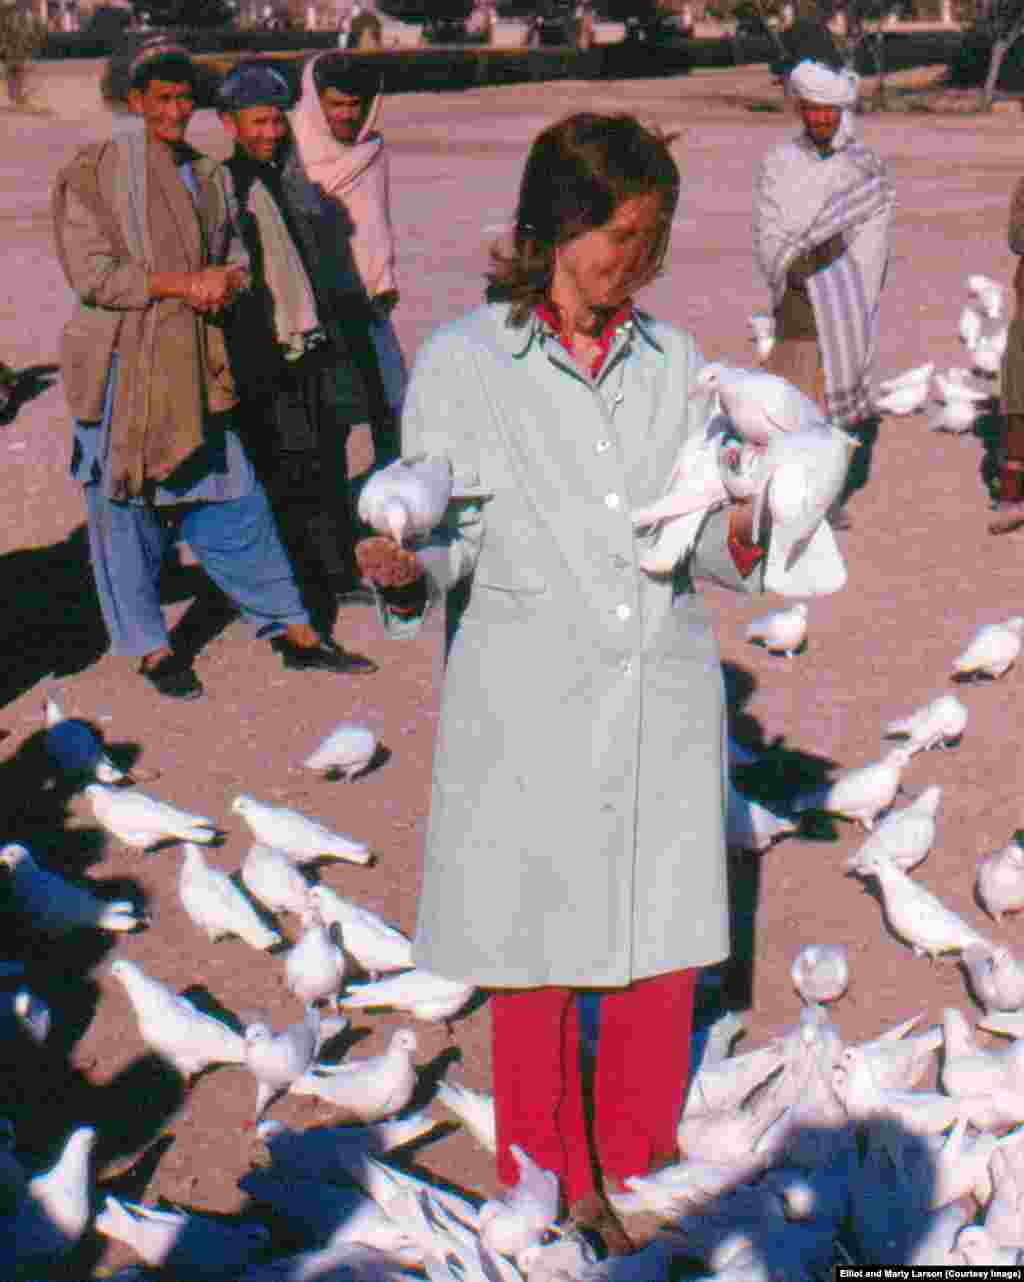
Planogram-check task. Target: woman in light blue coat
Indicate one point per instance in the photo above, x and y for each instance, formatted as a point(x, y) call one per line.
point(576, 836)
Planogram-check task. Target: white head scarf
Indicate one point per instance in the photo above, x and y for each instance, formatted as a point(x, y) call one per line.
point(815, 82)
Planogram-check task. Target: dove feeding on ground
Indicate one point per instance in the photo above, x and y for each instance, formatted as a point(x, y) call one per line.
point(76, 748)
point(996, 977)
point(271, 878)
point(216, 905)
point(54, 906)
point(141, 821)
point(916, 915)
point(376, 945)
point(408, 497)
point(172, 1027)
point(370, 1089)
point(905, 836)
point(992, 651)
point(1000, 879)
point(782, 631)
point(936, 725)
point(821, 972)
point(861, 794)
point(276, 1060)
point(421, 993)
point(302, 839)
point(315, 966)
point(345, 752)
point(520, 1217)
point(760, 405)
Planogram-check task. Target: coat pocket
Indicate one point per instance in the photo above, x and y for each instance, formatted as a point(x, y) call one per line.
point(86, 346)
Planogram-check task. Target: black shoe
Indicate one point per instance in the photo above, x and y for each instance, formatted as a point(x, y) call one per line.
point(173, 677)
point(348, 591)
point(327, 656)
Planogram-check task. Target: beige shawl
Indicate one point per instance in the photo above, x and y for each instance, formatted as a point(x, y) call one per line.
point(356, 177)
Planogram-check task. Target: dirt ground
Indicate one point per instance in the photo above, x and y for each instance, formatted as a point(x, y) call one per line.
point(923, 576)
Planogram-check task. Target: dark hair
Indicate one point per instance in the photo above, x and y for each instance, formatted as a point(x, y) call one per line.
point(170, 63)
point(339, 70)
point(578, 172)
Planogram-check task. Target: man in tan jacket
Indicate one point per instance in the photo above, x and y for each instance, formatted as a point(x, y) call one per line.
point(138, 225)
point(1010, 499)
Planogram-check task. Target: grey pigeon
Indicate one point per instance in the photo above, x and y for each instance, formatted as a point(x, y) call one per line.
point(407, 498)
point(216, 905)
point(302, 839)
point(172, 1027)
point(185, 1244)
point(54, 906)
point(141, 821)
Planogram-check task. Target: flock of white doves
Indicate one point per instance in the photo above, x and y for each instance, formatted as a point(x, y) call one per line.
point(793, 1157)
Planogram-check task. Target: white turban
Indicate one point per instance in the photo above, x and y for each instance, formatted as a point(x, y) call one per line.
point(814, 82)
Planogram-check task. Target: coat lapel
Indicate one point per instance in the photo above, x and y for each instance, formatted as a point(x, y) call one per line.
point(173, 220)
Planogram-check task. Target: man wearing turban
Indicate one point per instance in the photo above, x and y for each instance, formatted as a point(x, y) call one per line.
point(821, 231)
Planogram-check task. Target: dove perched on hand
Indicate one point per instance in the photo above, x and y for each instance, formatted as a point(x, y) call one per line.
point(369, 1089)
point(916, 915)
point(346, 751)
point(278, 1059)
point(271, 877)
point(141, 821)
point(751, 826)
point(314, 968)
point(861, 794)
point(821, 972)
point(519, 1218)
point(407, 498)
point(997, 977)
point(781, 632)
point(760, 405)
point(216, 905)
point(302, 839)
point(419, 992)
point(1000, 879)
point(54, 906)
point(187, 1245)
point(936, 725)
point(993, 651)
point(172, 1027)
point(76, 748)
point(905, 836)
point(376, 945)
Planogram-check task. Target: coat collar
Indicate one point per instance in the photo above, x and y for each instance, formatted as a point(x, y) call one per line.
point(517, 342)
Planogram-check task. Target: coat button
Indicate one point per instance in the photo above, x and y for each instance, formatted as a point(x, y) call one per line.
point(612, 501)
point(602, 446)
point(623, 611)
point(627, 668)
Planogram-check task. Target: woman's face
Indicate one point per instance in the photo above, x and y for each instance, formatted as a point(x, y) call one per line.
point(600, 268)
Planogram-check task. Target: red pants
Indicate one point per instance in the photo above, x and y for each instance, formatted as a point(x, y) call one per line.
point(640, 1079)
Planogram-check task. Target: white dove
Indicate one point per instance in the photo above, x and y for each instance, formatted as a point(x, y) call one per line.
point(751, 826)
point(376, 945)
point(474, 1109)
point(760, 405)
point(861, 794)
point(314, 968)
point(276, 1060)
point(904, 835)
point(916, 915)
point(957, 413)
point(302, 839)
point(369, 1089)
point(989, 294)
point(821, 972)
point(967, 1069)
point(141, 821)
point(407, 498)
point(919, 1112)
point(989, 349)
point(519, 1218)
point(185, 1244)
point(271, 877)
point(782, 631)
point(62, 1192)
point(993, 651)
point(969, 326)
point(216, 905)
point(172, 1027)
point(726, 1084)
point(908, 377)
point(762, 331)
point(1000, 879)
point(422, 994)
point(907, 397)
point(936, 725)
point(346, 751)
point(76, 748)
point(898, 1061)
point(53, 905)
point(997, 978)
point(958, 384)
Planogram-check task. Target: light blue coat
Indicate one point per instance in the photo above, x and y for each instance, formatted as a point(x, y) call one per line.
point(576, 829)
